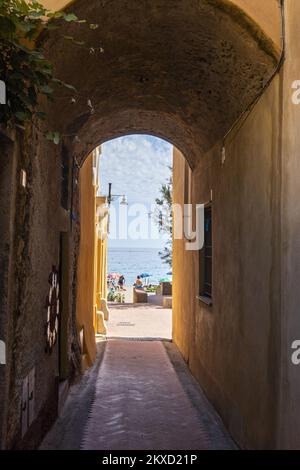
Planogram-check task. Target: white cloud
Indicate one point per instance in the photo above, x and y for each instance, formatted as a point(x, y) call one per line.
point(136, 165)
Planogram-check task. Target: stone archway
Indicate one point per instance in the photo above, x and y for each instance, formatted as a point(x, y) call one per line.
point(185, 71)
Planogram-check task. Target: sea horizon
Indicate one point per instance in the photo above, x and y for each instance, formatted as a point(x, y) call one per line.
point(134, 261)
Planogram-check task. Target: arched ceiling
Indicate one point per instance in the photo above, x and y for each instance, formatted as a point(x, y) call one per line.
point(265, 13)
point(182, 70)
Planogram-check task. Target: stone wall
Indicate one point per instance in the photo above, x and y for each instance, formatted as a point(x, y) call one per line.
point(36, 221)
point(9, 158)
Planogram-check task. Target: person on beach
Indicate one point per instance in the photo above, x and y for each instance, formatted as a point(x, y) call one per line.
point(138, 283)
point(121, 282)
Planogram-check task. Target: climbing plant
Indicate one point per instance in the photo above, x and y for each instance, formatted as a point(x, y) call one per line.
point(23, 66)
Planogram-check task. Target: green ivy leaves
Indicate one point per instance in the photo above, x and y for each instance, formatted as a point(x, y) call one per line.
point(70, 17)
point(53, 137)
point(7, 26)
point(23, 67)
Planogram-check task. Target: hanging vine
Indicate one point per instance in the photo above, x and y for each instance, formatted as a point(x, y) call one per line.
point(23, 66)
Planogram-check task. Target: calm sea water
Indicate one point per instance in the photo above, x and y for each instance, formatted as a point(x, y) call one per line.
point(133, 261)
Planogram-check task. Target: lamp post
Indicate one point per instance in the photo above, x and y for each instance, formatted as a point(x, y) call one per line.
point(111, 197)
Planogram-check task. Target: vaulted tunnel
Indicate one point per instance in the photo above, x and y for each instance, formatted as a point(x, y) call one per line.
point(185, 71)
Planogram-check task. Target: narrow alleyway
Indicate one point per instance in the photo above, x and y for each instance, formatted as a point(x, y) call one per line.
point(138, 395)
point(140, 403)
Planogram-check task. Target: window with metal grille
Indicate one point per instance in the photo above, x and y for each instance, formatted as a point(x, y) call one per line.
point(206, 255)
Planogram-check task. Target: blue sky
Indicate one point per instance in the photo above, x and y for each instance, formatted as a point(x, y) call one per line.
point(136, 166)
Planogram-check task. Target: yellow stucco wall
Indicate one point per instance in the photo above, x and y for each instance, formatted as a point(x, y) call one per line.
point(56, 4)
point(92, 264)
point(289, 431)
point(232, 347)
point(85, 309)
point(101, 273)
point(266, 13)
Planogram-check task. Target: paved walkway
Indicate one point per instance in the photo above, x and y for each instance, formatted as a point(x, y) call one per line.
point(138, 395)
point(139, 321)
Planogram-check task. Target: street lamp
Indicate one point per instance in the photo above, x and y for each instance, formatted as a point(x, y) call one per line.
point(111, 197)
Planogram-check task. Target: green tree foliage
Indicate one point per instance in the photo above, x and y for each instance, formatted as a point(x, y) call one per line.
point(164, 217)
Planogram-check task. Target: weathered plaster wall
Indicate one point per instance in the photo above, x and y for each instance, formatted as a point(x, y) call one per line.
point(36, 221)
point(37, 225)
point(8, 165)
point(86, 264)
point(266, 14)
point(289, 432)
point(233, 346)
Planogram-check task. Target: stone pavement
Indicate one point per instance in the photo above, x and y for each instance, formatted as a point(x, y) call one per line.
point(141, 404)
point(138, 395)
point(139, 321)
